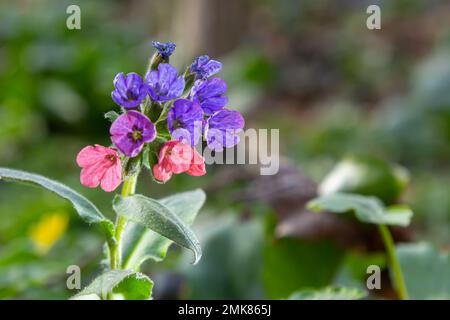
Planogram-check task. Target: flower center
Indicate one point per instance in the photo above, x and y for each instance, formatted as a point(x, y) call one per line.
point(111, 158)
point(136, 135)
point(131, 95)
point(177, 124)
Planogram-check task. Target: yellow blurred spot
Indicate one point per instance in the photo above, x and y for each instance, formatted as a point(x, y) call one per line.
point(48, 230)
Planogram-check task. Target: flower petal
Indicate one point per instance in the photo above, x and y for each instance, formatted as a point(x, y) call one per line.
point(89, 155)
point(90, 176)
point(197, 167)
point(161, 174)
point(112, 177)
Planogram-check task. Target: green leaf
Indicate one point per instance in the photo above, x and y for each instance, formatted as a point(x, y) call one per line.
point(329, 293)
point(366, 209)
point(111, 115)
point(158, 217)
point(141, 244)
point(366, 175)
point(150, 155)
point(426, 271)
point(120, 284)
point(86, 209)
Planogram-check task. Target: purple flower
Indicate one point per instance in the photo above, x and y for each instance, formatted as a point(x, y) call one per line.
point(210, 94)
point(165, 50)
point(204, 67)
point(129, 90)
point(163, 84)
point(185, 120)
point(130, 131)
point(223, 128)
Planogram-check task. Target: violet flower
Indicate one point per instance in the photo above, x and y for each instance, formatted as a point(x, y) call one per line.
point(165, 50)
point(210, 94)
point(130, 131)
point(185, 120)
point(130, 90)
point(164, 83)
point(222, 129)
point(204, 67)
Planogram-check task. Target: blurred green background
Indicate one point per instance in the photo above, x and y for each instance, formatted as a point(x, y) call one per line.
point(309, 68)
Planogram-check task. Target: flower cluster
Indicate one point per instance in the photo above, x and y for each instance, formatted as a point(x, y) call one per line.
point(174, 110)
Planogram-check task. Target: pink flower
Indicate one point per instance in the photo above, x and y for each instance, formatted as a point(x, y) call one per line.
point(100, 165)
point(177, 157)
point(197, 167)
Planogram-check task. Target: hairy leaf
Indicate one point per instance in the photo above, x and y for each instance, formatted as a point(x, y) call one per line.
point(118, 284)
point(141, 244)
point(159, 218)
point(86, 209)
point(366, 209)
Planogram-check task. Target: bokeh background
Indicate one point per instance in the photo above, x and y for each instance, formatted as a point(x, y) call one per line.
point(309, 68)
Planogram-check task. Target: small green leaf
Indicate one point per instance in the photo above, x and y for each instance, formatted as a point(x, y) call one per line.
point(189, 79)
point(163, 130)
point(86, 209)
point(426, 271)
point(329, 293)
point(119, 284)
point(150, 154)
point(366, 209)
point(141, 244)
point(159, 218)
point(132, 166)
point(111, 115)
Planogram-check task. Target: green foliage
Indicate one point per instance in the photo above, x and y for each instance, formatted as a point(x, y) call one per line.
point(118, 284)
point(292, 264)
point(367, 176)
point(366, 209)
point(169, 217)
point(111, 115)
point(355, 264)
point(329, 293)
point(141, 244)
point(86, 209)
point(426, 271)
point(232, 261)
point(159, 218)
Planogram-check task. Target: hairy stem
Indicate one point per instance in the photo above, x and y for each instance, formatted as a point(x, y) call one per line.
point(128, 188)
point(397, 274)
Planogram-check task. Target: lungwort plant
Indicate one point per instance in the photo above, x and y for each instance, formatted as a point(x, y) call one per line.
point(162, 117)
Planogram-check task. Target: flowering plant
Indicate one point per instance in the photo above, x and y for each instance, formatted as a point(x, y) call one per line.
point(163, 116)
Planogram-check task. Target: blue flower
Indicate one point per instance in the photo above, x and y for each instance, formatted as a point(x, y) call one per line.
point(164, 83)
point(222, 129)
point(165, 50)
point(130, 90)
point(210, 94)
point(185, 120)
point(204, 67)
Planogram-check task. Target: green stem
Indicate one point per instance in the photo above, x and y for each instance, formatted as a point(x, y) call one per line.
point(397, 274)
point(128, 188)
